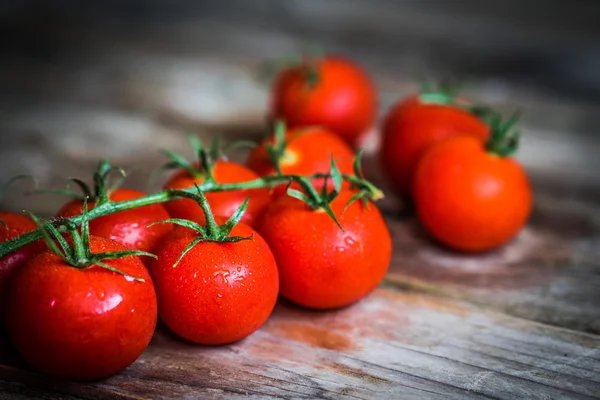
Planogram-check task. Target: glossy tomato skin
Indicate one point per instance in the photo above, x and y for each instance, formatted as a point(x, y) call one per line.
point(222, 203)
point(220, 292)
point(17, 225)
point(81, 324)
point(321, 266)
point(469, 199)
point(344, 99)
point(308, 151)
point(129, 228)
point(410, 128)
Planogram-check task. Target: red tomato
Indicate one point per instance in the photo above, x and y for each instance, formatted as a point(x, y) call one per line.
point(321, 266)
point(219, 292)
point(469, 199)
point(410, 128)
point(332, 92)
point(129, 228)
point(222, 203)
point(81, 324)
point(17, 225)
point(308, 151)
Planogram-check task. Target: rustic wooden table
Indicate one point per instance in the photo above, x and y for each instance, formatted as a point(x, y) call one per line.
point(521, 322)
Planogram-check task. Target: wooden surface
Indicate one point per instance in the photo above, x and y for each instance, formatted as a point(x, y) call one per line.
point(520, 322)
point(392, 345)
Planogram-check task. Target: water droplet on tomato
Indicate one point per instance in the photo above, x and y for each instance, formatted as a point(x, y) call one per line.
point(349, 240)
point(219, 299)
point(132, 310)
point(340, 249)
point(53, 302)
point(101, 295)
point(239, 269)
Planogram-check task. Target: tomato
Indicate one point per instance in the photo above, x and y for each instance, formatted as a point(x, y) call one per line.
point(129, 227)
point(219, 292)
point(469, 199)
point(332, 92)
point(321, 266)
point(81, 324)
point(307, 151)
point(411, 127)
point(222, 203)
point(16, 225)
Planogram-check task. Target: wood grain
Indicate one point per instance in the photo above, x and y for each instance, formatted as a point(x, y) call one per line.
point(550, 273)
point(520, 322)
point(389, 345)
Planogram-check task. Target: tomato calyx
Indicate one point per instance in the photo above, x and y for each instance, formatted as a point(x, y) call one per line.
point(321, 201)
point(504, 138)
point(78, 253)
point(444, 92)
point(314, 199)
point(210, 231)
point(277, 149)
point(306, 62)
point(202, 168)
point(103, 185)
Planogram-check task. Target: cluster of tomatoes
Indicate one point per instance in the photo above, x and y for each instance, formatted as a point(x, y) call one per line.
point(447, 156)
point(86, 307)
point(222, 257)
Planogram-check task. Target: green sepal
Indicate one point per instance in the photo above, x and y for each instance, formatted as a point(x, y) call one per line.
point(85, 190)
point(239, 144)
point(357, 163)
point(327, 208)
point(186, 223)
point(336, 176)
point(299, 195)
point(276, 150)
point(49, 232)
point(4, 187)
point(358, 195)
point(235, 218)
point(178, 161)
point(187, 249)
point(118, 271)
point(504, 138)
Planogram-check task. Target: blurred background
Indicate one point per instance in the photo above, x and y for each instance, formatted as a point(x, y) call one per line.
point(118, 79)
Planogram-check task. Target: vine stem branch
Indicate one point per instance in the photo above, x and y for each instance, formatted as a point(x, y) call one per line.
point(110, 207)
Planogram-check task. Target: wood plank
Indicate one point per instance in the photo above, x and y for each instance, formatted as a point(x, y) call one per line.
point(389, 345)
point(550, 273)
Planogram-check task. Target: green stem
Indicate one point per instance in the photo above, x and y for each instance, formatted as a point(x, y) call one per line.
point(78, 246)
point(111, 207)
point(212, 229)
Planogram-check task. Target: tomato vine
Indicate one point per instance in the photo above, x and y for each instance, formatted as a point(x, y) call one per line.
point(105, 206)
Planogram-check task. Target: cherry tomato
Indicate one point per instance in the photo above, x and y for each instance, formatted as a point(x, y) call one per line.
point(411, 127)
point(469, 199)
point(81, 324)
point(320, 265)
point(16, 225)
point(222, 203)
point(307, 151)
point(129, 227)
point(219, 292)
point(332, 92)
